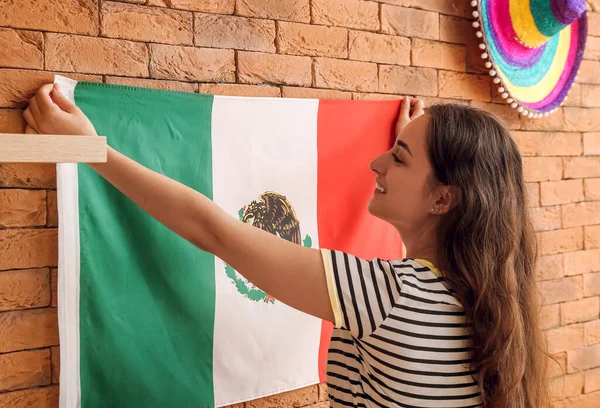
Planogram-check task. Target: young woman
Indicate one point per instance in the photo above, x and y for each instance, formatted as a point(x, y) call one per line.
point(455, 324)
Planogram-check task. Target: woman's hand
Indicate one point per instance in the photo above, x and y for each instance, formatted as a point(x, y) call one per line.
point(410, 109)
point(50, 112)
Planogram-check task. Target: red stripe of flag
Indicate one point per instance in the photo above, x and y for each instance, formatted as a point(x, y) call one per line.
point(349, 135)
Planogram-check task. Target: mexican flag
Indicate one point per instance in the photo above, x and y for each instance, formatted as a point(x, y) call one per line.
point(146, 319)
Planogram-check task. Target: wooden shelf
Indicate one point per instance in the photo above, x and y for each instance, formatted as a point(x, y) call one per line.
point(28, 148)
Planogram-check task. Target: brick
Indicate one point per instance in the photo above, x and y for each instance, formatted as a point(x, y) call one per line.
point(592, 236)
point(24, 289)
point(28, 248)
point(549, 316)
point(218, 31)
point(153, 83)
point(11, 121)
point(307, 39)
point(24, 369)
point(574, 96)
point(582, 119)
point(345, 75)
point(533, 194)
point(21, 49)
point(594, 23)
point(191, 64)
point(452, 7)
point(592, 332)
point(408, 80)
point(583, 358)
point(565, 338)
point(464, 86)
point(141, 23)
point(589, 72)
point(561, 192)
point(476, 64)
point(591, 284)
point(297, 92)
point(558, 241)
point(46, 397)
point(580, 262)
point(28, 329)
point(54, 287)
point(410, 22)
point(96, 55)
point(550, 267)
point(359, 14)
point(578, 311)
point(566, 386)
point(55, 363)
point(592, 189)
point(590, 96)
point(78, 17)
point(17, 87)
point(579, 167)
point(557, 364)
point(591, 143)
point(22, 208)
point(361, 96)
point(455, 30)
point(561, 290)
point(583, 401)
point(548, 143)
point(207, 6)
point(546, 218)
point(385, 49)
point(288, 10)
point(403, 3)
point(323, 392)
point(542, 168)
point(592, 48)
point(586, 213)
point(27, 175)
point(51, 209)
point(553, 122)
point(258, 68)
point(430, 100)
point(240, 90)
point(433, 54)
point(298, 398)
point(592, 381)
point(508, 116)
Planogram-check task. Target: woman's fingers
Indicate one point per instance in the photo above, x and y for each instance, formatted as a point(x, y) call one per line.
point(35, 109)
point(418, 108)
point(30, 119)
point(29, 130)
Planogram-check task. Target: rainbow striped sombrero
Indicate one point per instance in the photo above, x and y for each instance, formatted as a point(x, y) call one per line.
point(534, 49)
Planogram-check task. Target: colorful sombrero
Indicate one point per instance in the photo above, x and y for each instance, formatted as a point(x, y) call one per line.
point(534, 49)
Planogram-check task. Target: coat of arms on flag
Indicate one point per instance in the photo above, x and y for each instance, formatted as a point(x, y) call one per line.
point(146, 318)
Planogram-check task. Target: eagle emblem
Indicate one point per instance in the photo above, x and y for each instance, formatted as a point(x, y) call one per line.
point(274, 213)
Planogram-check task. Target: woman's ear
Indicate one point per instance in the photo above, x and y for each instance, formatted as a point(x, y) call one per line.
point(447, 199)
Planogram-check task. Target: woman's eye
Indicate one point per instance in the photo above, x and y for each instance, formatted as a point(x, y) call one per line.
point(397, 159)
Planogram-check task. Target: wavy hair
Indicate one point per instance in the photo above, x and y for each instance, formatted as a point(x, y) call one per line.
point(488, 246)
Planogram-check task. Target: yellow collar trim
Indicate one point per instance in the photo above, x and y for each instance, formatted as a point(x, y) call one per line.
point(428, 264)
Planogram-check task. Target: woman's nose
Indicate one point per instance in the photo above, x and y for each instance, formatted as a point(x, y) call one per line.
point(378, 164)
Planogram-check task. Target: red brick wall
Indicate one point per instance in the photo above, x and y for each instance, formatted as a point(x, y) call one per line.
point(346, 49)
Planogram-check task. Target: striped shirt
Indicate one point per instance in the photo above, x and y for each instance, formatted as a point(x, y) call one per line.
point(401, 339)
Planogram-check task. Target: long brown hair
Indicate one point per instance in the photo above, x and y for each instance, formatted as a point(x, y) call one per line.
point(487, 246)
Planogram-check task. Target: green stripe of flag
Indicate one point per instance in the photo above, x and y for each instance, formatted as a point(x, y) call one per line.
point(145, 320)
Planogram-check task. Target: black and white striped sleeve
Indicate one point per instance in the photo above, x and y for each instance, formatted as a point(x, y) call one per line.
point(362, 292)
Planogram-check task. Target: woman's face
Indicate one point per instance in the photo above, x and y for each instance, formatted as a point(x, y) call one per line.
point(403, 195)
